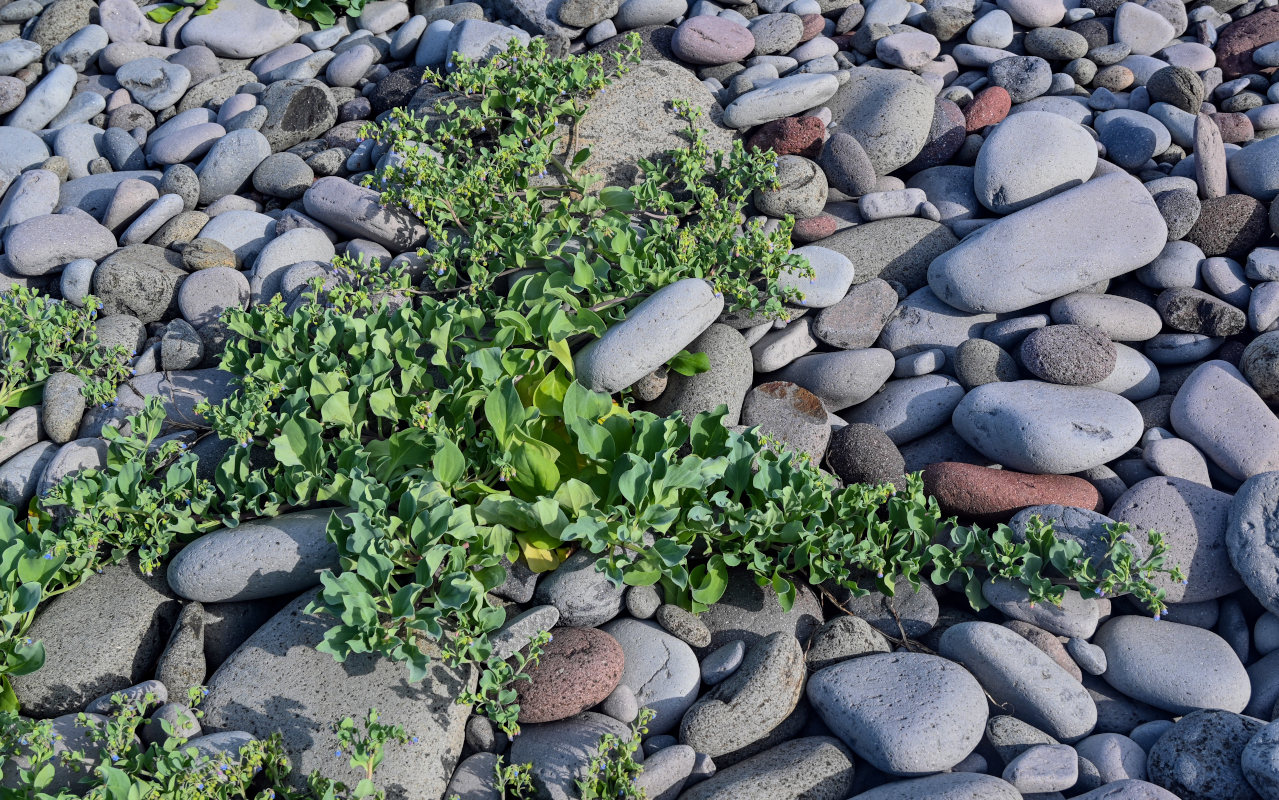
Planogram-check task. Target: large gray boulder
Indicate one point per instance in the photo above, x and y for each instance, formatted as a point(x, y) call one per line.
point(278, 681)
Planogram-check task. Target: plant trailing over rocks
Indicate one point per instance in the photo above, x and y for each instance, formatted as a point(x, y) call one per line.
point(40, 336)
point(448, 417)
point(116, 766)
point(164, 12)
point(145, 498)
point(613, 770)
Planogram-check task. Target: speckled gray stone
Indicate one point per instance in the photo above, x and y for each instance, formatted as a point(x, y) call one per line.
point(907, 714)
point(1164, 664)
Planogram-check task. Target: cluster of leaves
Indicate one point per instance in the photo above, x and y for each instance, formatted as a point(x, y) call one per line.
point(164, 12)
point(495, 175)
point(146, 496)
point(40, 336)
point(612, 770)
point(448, 423)
point(116, 766)
point(323, 12)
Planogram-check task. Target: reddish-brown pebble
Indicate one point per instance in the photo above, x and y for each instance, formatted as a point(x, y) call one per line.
point(1237, 41)
point(988, 495)
point(813, 25)
point(579, 667)
point(814, 229)
point(989, 107)
point(790, 136)
point(1235, 128)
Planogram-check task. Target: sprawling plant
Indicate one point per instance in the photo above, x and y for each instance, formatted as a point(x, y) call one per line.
point(447, 419)
point(40, 336)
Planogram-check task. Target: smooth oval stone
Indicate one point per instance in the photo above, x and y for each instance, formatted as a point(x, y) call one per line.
point(1014, 671)
point(1253, 169)
point(260, 559)
point(841, 379)
point(1045, 428)
point(889, 112)
point(711, 40)
point(1122, 319)
point(1219, 412)
point(948, 786)
point(909, 408)
point(41, 244)
point(1192, 519)
point(356, 212)
point(906, 713)
point(1252, 536)
point(1031, 157)
point(923, 322)
point(1095, 232)
point(229, 164)
point(1165, 664)
point(1076, 616)
point(241, 29)
point(653, 333)
point(833, 273)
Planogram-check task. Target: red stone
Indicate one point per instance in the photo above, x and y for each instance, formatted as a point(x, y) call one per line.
point(813, 25)
point(814, 229)
point(790, 136)
point(579, 667)
point(1237, 41)
point(986, 495)
point(989, 107)
point(1235, 128)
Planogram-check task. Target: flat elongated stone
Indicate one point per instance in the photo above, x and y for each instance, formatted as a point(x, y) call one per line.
point(42, 244)
point(781, 98)
point(1101, 230)
point(1012, 670)
point(654, 332)
point(255, 560)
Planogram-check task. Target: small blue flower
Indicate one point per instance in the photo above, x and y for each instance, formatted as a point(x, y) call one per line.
point(48, 556)
point(114, 758)
point(337, 753)
point(413, 740)
point(199, 785)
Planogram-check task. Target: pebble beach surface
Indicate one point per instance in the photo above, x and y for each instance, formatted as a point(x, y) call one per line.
point(1045, 243)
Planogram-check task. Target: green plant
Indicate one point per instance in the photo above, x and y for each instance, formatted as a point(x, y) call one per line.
point(145, 497)
point(115, 765)
point(323, 12)
point(612, 770)
point(447, 418)
point(366, 749)
point(40, 336)
point(450, 423)
point(167, 11)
